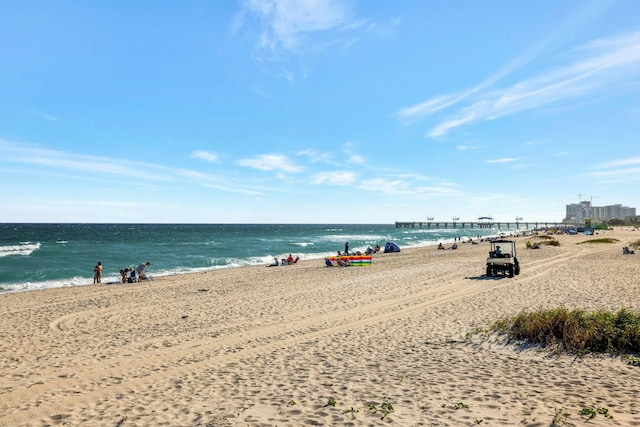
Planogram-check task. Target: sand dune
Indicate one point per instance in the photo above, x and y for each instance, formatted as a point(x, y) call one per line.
point(392, 343)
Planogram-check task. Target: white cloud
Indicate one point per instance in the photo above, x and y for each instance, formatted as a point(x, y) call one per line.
point(599, 66)
point(348, 151)
point(503, 160)
point(234, 190)
point(334, 178)
point(86, 164)
point(205, 155)
point(635, 172)
point(622, 162)
point(270, 162)
point(441, 102)
point(315, 156)
point(356, 158)
point(468, 147)
point(286, 24)
point(423, 109)
point(382, 185)
point(623, 169)
point(86, 167)
point(406, 188)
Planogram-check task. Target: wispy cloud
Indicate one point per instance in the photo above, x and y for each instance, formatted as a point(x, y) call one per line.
point(63, 160)
point(101, 167)
point(287, 24)
point(235, 190)
point(315, 156)
point(598, 65)
point(621, 162)
point(348, 150)
point(46, 116)
point(270, 162)
point(419, 111)
point(633, 172)
point(426, 108)
point(334, 178)
point(206, 155)
point(503, 160)
point(347, 154)
point(407, 188)
point(468, 147)
point(221, 183)
point(623, 169)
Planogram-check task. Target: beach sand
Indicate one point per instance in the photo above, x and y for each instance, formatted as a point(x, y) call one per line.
point(312, 345)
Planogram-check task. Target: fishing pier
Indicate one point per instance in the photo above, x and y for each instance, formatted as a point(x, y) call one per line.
point(525, 225)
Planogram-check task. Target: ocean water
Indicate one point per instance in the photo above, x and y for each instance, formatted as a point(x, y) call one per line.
point(40, 256)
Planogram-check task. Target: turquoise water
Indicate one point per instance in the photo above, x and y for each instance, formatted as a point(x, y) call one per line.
point(38, 256)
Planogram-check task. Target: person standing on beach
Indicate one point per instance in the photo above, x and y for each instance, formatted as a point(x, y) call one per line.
point(97, 273)
point(346, 248)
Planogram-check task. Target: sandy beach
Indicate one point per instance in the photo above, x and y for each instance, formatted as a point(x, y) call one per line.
point(394, 343)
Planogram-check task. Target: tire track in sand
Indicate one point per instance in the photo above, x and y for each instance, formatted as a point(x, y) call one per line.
point(117, 376)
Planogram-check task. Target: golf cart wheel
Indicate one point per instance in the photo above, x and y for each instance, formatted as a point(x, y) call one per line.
point(489, 271)
point(511, 271)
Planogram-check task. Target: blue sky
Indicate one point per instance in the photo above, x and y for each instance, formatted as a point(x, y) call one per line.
point(301, 111)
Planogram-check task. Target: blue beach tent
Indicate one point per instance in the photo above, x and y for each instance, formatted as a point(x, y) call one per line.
point(391, 247)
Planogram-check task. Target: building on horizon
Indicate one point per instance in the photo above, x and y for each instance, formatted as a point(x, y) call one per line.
point(579, 212)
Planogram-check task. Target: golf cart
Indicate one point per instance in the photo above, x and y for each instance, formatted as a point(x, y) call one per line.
point(502, 258)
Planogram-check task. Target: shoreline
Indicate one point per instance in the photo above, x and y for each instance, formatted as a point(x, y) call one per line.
point(273, 346)
point(112, 279)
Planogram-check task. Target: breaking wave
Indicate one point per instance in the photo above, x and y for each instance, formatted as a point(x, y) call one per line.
point(23, 249)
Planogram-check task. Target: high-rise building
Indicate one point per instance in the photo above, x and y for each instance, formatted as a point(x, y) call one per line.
point(579, 212)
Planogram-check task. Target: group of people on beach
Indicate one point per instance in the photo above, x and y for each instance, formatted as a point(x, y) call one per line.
point(284, 261)
point(127, 274)
point(368, 251)
point(453, 247)
point(290, 260)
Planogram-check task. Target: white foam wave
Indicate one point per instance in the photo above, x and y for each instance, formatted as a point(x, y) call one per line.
point(35, 286)
point(302, 244)
point(23, 249)
point(341, 238)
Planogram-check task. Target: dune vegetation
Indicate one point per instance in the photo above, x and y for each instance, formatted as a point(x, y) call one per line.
point(577, 331)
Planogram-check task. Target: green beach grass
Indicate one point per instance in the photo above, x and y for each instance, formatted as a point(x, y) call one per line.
point(577, 331)
point(602, 240)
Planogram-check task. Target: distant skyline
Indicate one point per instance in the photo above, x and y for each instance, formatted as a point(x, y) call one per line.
point(301, 111)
